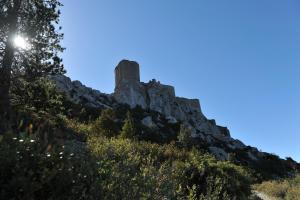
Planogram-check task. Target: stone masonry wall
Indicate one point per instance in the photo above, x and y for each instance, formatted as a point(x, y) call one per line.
point(127, 72)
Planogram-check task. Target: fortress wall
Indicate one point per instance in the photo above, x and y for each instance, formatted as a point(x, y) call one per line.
point(189, 105)
point(160, 97)
point(195, 104)
point(170, 90)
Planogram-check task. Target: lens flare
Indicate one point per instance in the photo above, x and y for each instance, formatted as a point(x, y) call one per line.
point(21, 42)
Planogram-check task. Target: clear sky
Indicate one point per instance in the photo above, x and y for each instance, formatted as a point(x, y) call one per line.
point(240, 58)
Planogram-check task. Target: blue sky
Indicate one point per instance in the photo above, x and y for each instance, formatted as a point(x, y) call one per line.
point(240, 58)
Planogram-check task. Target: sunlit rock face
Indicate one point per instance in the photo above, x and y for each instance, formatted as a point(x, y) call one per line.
point(161, 98)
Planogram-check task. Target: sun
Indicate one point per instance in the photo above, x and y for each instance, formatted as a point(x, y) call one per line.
point(21, 42)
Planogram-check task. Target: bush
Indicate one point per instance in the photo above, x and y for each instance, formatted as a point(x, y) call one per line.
point(184, 136)
point(128, 129)
point(28, 171)
point(144, 170)
point(38, 95)
point(114, 168)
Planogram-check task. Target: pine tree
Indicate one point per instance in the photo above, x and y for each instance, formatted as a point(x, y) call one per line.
point(106, 124)
point(34, 22)
point(128, 129)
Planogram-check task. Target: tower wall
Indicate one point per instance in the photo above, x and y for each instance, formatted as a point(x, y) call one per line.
point(128, 88)
point(127, 72)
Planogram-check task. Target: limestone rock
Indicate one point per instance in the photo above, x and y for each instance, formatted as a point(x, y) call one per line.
point(147, 121)
point(79, 93)
point(162, 98)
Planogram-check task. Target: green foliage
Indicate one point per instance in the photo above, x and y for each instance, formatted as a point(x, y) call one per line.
point(145, 170)
point(29, 171)
point(38, 96)
point(36, 21)
point(106, 124)
point(288, 189)
point(128, 129)
point(80, 112)
point(271, 166)
point(184, 136)
point(81, 128)
point(114, 168)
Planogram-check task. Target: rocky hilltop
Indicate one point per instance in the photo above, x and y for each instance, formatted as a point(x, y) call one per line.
point(161, 98)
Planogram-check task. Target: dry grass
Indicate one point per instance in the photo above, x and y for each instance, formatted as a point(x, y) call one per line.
point(282, 189)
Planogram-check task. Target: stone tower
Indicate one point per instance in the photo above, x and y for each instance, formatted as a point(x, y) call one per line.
point(127, 72)
point(128, 88)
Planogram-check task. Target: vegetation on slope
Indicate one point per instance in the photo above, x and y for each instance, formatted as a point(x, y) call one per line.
point(281, 189)
point(60, 150)
point(114, 168)
point(50, 154)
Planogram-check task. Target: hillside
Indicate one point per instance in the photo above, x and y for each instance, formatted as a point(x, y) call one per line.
point(69, 141)
point(161, 114)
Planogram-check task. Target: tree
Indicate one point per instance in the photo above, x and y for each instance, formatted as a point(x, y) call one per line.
point(34, 23)
point(128, 129)
point(40, 95)
point(184, 136)
point(106, 124)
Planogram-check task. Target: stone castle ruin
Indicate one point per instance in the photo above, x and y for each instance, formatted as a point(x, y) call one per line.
point(161, 98)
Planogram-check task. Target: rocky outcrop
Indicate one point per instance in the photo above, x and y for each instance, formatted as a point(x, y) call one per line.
point(80, 94)
point(161, 98)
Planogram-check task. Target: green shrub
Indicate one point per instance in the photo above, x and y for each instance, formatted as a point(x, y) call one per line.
point(114, 168)
point(106, 124)
point(128, 129)
point(184, 136)
point(146, 170)
point(28, 171)
point(38, 95)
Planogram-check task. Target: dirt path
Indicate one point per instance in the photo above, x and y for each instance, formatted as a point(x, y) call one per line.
point(263, 196)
